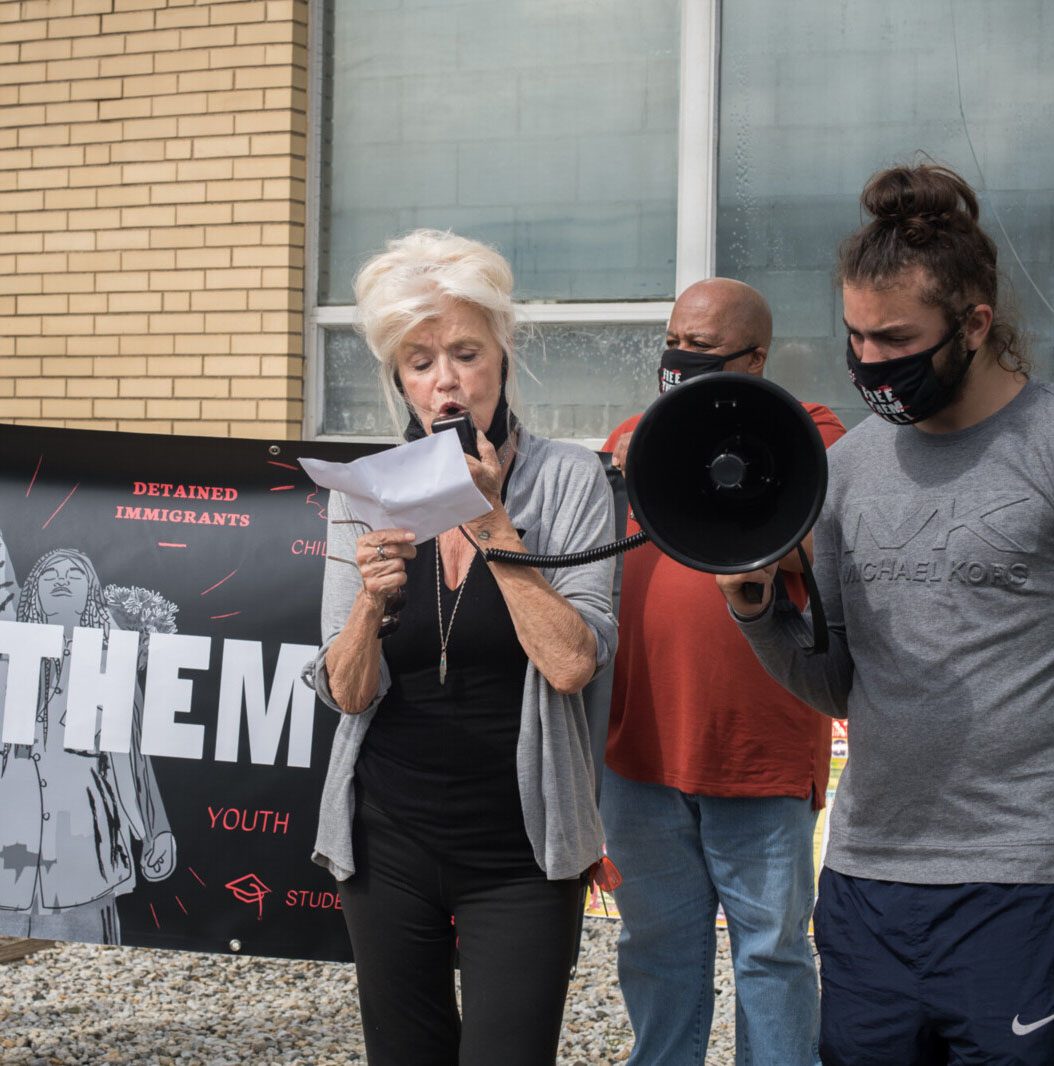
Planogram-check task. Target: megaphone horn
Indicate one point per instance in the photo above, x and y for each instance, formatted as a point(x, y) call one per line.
point(726, 472)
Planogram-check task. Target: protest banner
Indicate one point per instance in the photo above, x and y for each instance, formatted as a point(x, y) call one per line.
point(161, 759)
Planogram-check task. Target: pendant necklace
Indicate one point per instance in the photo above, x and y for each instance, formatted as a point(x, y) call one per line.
point(444, 637)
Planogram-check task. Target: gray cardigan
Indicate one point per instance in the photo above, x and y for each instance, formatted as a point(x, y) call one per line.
point(558, 498)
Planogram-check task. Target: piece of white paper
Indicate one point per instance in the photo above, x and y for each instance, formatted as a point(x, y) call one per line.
point(424, 486)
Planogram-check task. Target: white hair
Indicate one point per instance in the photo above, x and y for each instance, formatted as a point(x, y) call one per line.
point(402, 287)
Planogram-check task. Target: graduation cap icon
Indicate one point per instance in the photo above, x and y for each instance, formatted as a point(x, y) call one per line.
point(249, 889)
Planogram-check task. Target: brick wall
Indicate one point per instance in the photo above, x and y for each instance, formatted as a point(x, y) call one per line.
point(152, 214)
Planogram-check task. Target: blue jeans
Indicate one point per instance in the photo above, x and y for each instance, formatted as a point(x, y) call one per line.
point(679, 856)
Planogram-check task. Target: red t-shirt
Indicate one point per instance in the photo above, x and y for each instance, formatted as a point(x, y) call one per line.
point(691, 706)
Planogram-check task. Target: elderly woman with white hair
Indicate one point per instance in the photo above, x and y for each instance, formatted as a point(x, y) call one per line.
point(458, 814)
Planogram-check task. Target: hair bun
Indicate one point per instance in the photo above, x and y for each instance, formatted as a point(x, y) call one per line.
point(921, 202)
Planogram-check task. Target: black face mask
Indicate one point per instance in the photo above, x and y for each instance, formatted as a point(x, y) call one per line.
point(907, 390)
point(677, 365)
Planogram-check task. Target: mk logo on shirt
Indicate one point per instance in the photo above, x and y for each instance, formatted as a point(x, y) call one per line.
point(932, 524)
point(941, 525)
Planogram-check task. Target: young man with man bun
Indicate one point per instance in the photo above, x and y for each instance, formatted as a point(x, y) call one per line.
point(934, 557)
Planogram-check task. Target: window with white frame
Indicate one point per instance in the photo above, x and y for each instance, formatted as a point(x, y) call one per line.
point(618, 150)
point(552, 131)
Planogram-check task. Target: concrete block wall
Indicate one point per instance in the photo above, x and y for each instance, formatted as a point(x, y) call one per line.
point(152, 179)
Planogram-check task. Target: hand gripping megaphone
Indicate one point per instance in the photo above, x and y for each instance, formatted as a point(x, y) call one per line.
point(726, 473)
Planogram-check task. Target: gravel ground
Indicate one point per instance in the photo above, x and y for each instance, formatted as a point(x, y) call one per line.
point(81, 1004)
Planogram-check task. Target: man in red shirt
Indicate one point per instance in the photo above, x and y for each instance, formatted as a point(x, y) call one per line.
point(714, 773)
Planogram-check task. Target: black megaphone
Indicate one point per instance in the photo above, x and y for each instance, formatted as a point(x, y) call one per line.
point(726, 473)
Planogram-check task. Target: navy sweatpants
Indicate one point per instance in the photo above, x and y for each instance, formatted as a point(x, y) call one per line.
point(935, 975)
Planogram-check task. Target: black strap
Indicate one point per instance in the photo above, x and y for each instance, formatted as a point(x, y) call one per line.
point(812, 640)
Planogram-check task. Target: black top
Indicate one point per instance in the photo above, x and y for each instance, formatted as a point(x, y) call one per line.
point(440, 760)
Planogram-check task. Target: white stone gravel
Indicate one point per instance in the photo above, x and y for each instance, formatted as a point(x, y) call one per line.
point(81, 1004)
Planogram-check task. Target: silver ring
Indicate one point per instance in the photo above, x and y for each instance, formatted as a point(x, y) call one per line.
point(380, 551)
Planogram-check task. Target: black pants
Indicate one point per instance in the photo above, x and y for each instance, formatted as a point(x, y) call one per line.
point(515, 935)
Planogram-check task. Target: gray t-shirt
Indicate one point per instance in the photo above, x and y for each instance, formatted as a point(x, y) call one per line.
point(935, 564)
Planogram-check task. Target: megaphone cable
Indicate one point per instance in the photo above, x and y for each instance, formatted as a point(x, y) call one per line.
point(557, 562)
point(812, 640)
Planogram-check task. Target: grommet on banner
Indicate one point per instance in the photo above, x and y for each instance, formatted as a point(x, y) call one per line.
point(274, 450)
point(235, 945)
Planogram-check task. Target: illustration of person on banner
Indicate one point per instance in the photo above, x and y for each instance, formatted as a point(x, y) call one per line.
point(461, 781)
point(70, 815)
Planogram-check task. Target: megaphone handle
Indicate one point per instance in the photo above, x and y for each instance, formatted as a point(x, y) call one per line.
point(753, 591)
